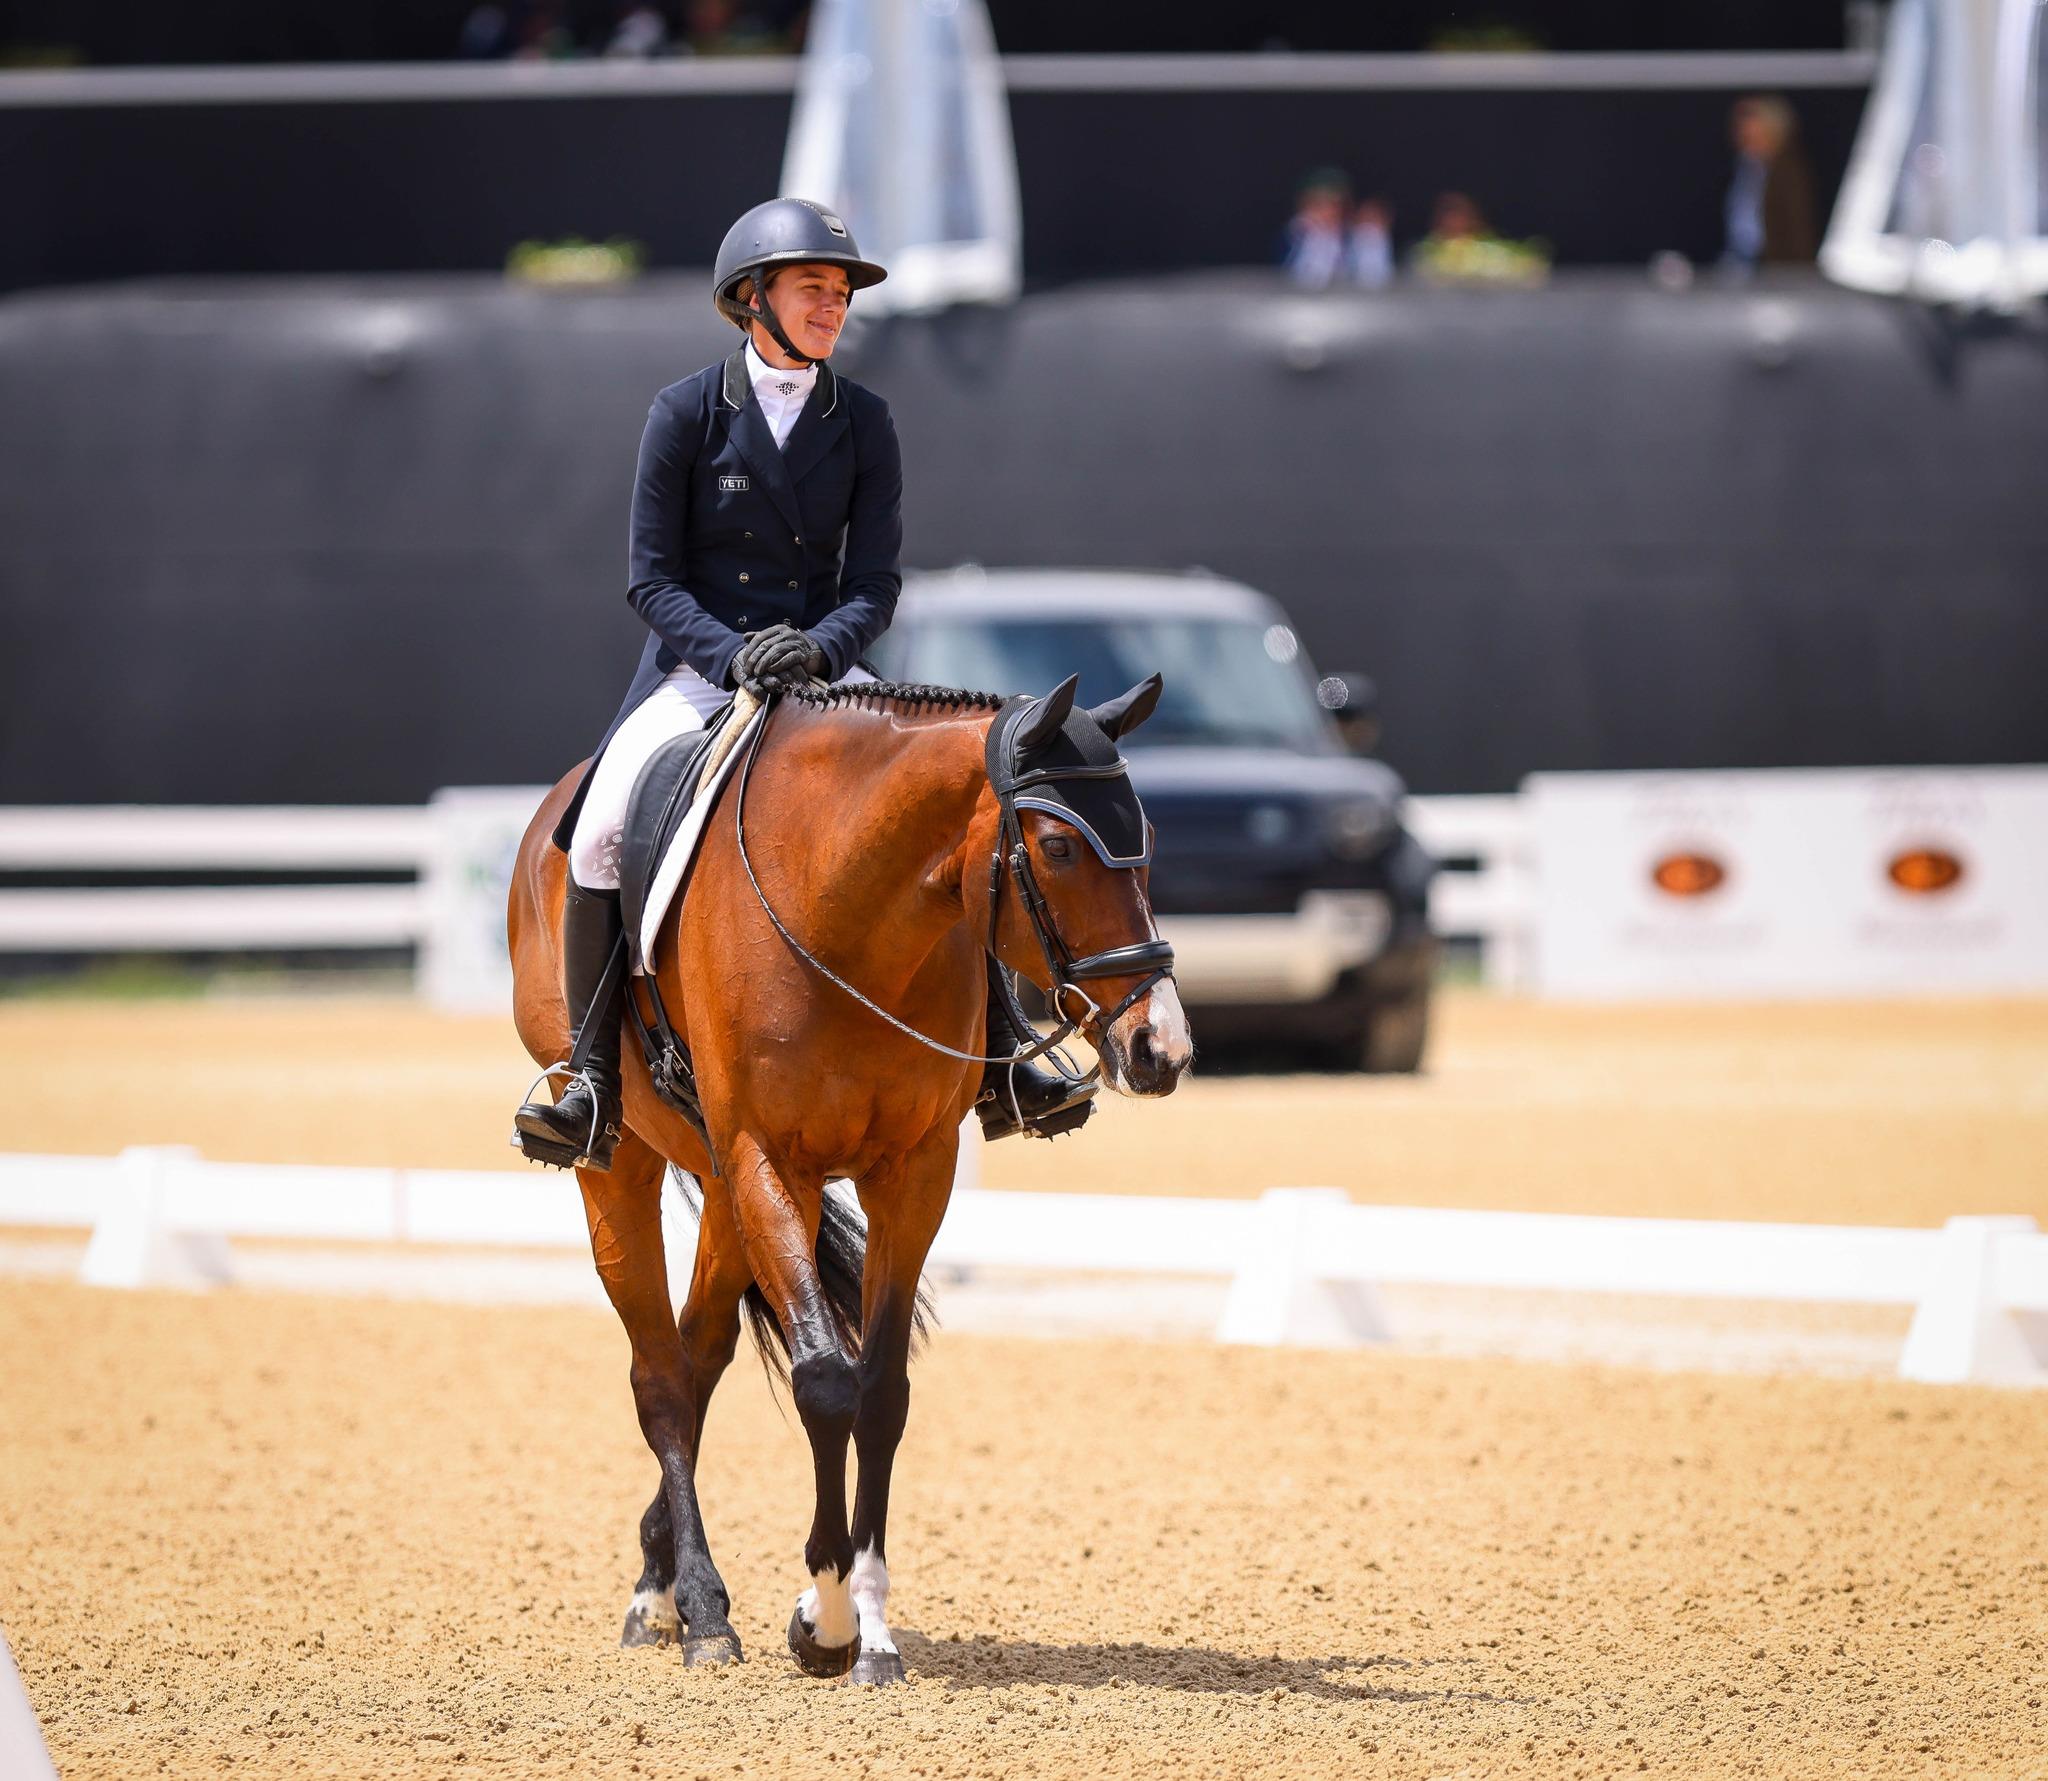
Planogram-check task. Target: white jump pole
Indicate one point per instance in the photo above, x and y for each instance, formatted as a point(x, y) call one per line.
point(23, 1754)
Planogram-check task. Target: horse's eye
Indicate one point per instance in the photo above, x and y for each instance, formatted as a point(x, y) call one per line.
point(1057, 847)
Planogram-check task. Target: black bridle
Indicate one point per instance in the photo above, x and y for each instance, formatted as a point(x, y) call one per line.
point(1066, 972)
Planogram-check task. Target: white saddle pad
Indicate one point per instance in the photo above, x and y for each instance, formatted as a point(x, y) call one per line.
point(682, 849)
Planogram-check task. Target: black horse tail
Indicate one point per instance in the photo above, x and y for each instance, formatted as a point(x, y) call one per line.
point(842, 1261)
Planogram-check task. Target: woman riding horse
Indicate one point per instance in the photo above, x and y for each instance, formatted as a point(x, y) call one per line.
point(766, 524)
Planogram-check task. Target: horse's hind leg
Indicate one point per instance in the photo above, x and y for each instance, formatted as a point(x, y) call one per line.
point(623, 1206)
point(904, 1205)
point(780, 1229)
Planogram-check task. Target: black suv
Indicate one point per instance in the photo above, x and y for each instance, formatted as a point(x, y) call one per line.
point(1295, 899)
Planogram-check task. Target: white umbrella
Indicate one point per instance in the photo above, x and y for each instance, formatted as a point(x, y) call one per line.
point(902, 127)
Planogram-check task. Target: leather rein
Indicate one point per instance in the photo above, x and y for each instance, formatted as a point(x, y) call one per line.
point(1067, 972)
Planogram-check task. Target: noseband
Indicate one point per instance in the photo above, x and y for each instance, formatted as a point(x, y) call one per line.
point(1067, 973)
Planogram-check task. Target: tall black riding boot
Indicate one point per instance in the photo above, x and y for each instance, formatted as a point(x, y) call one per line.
point(581, 1128)
point(1022, 1097)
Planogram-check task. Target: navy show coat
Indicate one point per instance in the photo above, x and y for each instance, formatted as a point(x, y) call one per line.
point(731, 534)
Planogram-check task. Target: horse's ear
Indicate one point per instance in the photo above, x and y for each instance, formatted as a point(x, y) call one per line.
point(1046, 718)
point(1123, 715)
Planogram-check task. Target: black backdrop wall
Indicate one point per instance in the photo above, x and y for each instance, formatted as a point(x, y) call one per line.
point(357, 540)
point(1113, 182)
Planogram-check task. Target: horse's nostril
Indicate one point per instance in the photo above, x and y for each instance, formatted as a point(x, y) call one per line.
point(1145, 1048)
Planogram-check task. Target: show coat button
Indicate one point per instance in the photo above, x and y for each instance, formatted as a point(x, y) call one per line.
point(792, 584)
point(743, 575)
point(746, 534)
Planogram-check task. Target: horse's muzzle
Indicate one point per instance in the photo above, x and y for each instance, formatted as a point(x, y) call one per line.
point(1149, 1048)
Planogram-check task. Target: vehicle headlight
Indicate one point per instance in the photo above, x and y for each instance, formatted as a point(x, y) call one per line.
point(1356, 828)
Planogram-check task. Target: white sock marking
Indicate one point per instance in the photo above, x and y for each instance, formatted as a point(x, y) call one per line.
point(827, 1608)
point(869, 1583)
point(657, 1607)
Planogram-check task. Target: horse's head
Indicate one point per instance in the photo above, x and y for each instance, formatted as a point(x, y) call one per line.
point(1069, 881)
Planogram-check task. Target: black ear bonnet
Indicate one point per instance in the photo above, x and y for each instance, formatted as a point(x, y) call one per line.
point(1074, 773)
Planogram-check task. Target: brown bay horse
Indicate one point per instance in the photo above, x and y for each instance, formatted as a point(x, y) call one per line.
point(895, 833)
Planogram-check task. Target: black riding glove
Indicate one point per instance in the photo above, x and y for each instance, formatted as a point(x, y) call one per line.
point(780, 655)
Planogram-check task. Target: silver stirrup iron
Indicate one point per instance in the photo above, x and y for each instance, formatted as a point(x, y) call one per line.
point(548, 1075)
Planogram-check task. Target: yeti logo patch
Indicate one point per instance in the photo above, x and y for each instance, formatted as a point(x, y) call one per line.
point(733, 485)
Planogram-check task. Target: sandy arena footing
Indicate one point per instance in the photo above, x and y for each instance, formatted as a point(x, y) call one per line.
point(266, 1535)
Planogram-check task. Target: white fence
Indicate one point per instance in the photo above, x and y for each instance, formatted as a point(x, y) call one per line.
point(1302, 1264)
point(1493, 904)
point(1493, 900)
point(208, 918)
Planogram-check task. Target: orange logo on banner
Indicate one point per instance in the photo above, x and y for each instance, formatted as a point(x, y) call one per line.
point(1925, 871)
point(1688, 874)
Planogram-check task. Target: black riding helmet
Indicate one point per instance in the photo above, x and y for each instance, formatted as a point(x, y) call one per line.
point(782, 232)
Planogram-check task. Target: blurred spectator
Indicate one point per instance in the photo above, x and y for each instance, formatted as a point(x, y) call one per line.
point(1461, 248)
point(640, 33)
point(1456, 218)
point(1315, 234)
point(630, 29)
point(708, 27)
point(1770, 199)
point(486, 34)
point(1489, 37)
point(1372, 245)
point(723, 28)
point(541, 34)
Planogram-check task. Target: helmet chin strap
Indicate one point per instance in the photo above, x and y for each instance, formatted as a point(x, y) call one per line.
point(764, 312)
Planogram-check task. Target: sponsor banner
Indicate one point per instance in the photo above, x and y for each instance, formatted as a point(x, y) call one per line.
point(464, 965)
point(1791, 883)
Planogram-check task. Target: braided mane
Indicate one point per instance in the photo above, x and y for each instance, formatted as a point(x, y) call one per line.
point(895, 695)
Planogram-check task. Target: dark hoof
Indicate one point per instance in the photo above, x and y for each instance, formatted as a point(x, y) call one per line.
point(820, 1660)
point(713, 1649)
point(876, 1669)
point(642, 1630)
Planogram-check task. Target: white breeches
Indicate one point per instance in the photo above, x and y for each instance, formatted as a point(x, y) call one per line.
point(679, 704)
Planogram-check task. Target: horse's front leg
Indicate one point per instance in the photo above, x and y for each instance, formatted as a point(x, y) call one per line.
point(779, 1227)
point(904, 1205)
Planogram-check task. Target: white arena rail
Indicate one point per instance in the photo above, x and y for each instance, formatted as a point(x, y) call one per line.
point(1302, 1263)
point(246, 837)
point(1492, 902)
point(213, 918)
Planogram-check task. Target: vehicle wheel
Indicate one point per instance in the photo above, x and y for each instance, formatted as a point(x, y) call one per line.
point(1397, 996)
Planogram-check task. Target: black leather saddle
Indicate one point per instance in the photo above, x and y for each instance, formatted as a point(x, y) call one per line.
point(661, 798)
